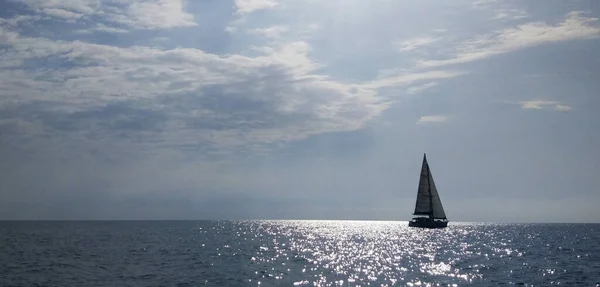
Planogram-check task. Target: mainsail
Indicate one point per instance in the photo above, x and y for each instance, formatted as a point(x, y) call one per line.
point(428, 200)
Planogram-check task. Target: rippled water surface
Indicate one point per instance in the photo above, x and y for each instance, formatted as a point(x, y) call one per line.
point(301, 253)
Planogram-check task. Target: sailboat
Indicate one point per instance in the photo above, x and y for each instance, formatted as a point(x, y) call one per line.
point(428, 202)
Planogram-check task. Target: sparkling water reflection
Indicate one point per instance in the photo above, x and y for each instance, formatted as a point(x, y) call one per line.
point(296, 253)
point(340, 253)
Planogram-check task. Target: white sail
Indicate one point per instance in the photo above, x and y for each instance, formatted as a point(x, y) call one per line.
point(428, 199)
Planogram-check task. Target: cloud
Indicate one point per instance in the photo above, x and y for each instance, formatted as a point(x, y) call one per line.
point(509, 14)
point(145, 14)
point(245, 7)
point(280, 33)
point(15, 21)
point(432, 119)
point(61, 13)
point(482, 3)
point(103, 28)
point(86, 7)
point(205, 99)
point(418, 89)
point(183, 97)
point(562, 107)
point(155, 14)
point(271, 32)
point(500, 9)
point(231, 29)
point(404, 78)
point(544, 105)
point(574, 27)
point(248, 6)
point(415, 43)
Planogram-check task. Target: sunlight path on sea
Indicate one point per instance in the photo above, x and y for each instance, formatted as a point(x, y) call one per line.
point(342, 253)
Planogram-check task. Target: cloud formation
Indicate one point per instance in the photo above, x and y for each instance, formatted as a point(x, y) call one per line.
point(415, 43)
point(575, 26)
point(146, 14)
point(181, 96)
point(227, 100)
point(501, 10)
point(417, 89)
point(248, 6)
point(544, 105)
point(271, 32)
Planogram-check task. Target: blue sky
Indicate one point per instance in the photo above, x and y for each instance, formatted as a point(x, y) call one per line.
point(305, 109)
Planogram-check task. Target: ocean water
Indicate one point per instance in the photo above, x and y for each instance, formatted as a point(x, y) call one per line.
point(296, 253)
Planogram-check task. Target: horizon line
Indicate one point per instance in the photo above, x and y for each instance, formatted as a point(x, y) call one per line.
point(274, 219)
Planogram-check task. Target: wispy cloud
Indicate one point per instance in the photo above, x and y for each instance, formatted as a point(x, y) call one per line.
point(575, 26)
point(562, 108)
point(418, 89)
point(155, 14)
point(84, 7)
point(404, 78)
point(502, 10)
point(280, 33)
point(509, 14)
point(249, 6)
point(16, 20)
point(544, 105)
point(482, 3)
point(415, 43)
point(432, 119)
point(145, 14)
point(271, 32)
point(61, 13)
point(245, 7)
point(103, 28)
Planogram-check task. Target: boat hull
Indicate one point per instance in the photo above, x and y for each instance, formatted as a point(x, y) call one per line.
point(428, 223)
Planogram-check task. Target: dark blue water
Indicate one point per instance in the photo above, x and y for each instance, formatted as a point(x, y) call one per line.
point(301, 253)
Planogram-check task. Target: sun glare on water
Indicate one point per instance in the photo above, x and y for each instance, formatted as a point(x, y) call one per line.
point(336, 253)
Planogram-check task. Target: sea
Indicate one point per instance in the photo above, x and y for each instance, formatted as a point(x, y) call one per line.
point(296, 253)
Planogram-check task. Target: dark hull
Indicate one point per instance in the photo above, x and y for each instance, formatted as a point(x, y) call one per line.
point(428, 223)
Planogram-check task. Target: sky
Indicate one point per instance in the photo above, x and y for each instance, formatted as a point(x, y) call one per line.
point(298, 109)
